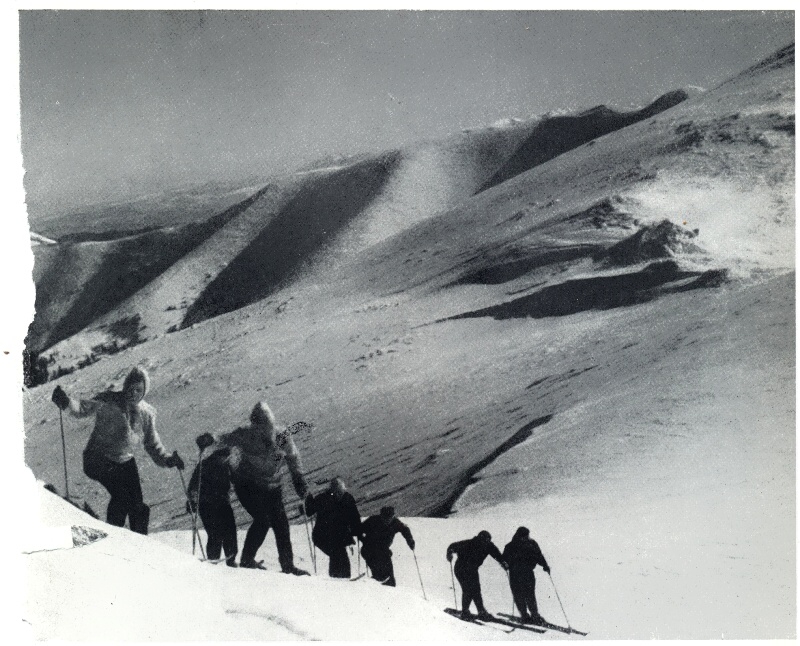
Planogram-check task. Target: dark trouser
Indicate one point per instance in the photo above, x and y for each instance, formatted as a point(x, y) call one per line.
point(220, 525)
point(122, 482)
point(266, 508)
point(523, 588)
point(470, 588)
point(339, 566)
point(381, 565)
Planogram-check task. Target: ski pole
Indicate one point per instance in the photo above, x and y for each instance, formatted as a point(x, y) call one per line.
point(559, 601)
point(314, 547)
point(195, 532)
point(308, 535)
point(419, 574)
point(64, 450)
point(508, 574)
point(199, 489)
point(453, 580)
point(358, 552)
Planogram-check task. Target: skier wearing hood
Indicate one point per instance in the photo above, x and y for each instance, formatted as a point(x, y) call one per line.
point(522, 555)
point(378, 532)
point(338, 521)
point(122, 419)
point(471, 555)
point(258, 453)
point(209, 493)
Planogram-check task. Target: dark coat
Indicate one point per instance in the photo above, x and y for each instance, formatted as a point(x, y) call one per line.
point(338, 521)
point(377, 536)
point(473, 552)
point(212, 477)
point(522, 555)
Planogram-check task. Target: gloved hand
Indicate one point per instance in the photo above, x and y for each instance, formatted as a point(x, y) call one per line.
point(450, 556)
point(411, 544)
point(505, 565)
point(175, 460)
point(301, 509)
point(191, 506)
point(547, 569)
point(60, 398)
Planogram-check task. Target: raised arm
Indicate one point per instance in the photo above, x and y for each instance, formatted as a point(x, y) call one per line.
point(76, 407)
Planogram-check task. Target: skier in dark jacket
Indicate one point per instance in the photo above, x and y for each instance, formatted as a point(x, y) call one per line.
point(122, 419)
point(378, 532)
point(471, 555)
point(209, 493)
point(522, 555)
point(338, 521)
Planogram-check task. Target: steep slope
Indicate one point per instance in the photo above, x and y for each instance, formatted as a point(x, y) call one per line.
point(365, 334)
point(721, 163)
point(311, 218)
point(496, 328)
point(94, 592)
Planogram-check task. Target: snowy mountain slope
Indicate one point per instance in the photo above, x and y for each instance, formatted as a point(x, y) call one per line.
point(309, 223)
point(649, 438)
point(555, 135)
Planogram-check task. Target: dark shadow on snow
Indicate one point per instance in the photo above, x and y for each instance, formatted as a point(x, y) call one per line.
point(600, 293)
point(310, 222)
point(445, 508)
point(555, 136)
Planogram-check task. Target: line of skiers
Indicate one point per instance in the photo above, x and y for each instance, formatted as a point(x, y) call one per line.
point(250, 459)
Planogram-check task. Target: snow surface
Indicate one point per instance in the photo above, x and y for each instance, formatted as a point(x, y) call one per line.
point(130, 587)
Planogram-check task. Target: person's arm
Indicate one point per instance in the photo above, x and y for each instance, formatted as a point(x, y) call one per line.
point(406, 532)
point(295, 468)
point(76, 407)
point(367, 528)
point(310, 505)
point(153, 445)
point(494, 552)
point(540, 560)
point(353, 517)
point(454, 548)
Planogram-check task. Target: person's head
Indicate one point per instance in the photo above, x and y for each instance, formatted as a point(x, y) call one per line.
point(522, 532)
point(262, 417)
point(337, 487)
point(136, 385)
point(387, 514)
point(484, 536)
point(204, 441)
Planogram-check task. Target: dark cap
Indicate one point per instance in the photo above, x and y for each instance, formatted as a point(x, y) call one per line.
point(205, 440)
point(387, 512)
point(485, 535)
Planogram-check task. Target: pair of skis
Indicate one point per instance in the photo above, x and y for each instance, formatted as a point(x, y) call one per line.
point(502, 621)
point(544, 625)
point(495, 623)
